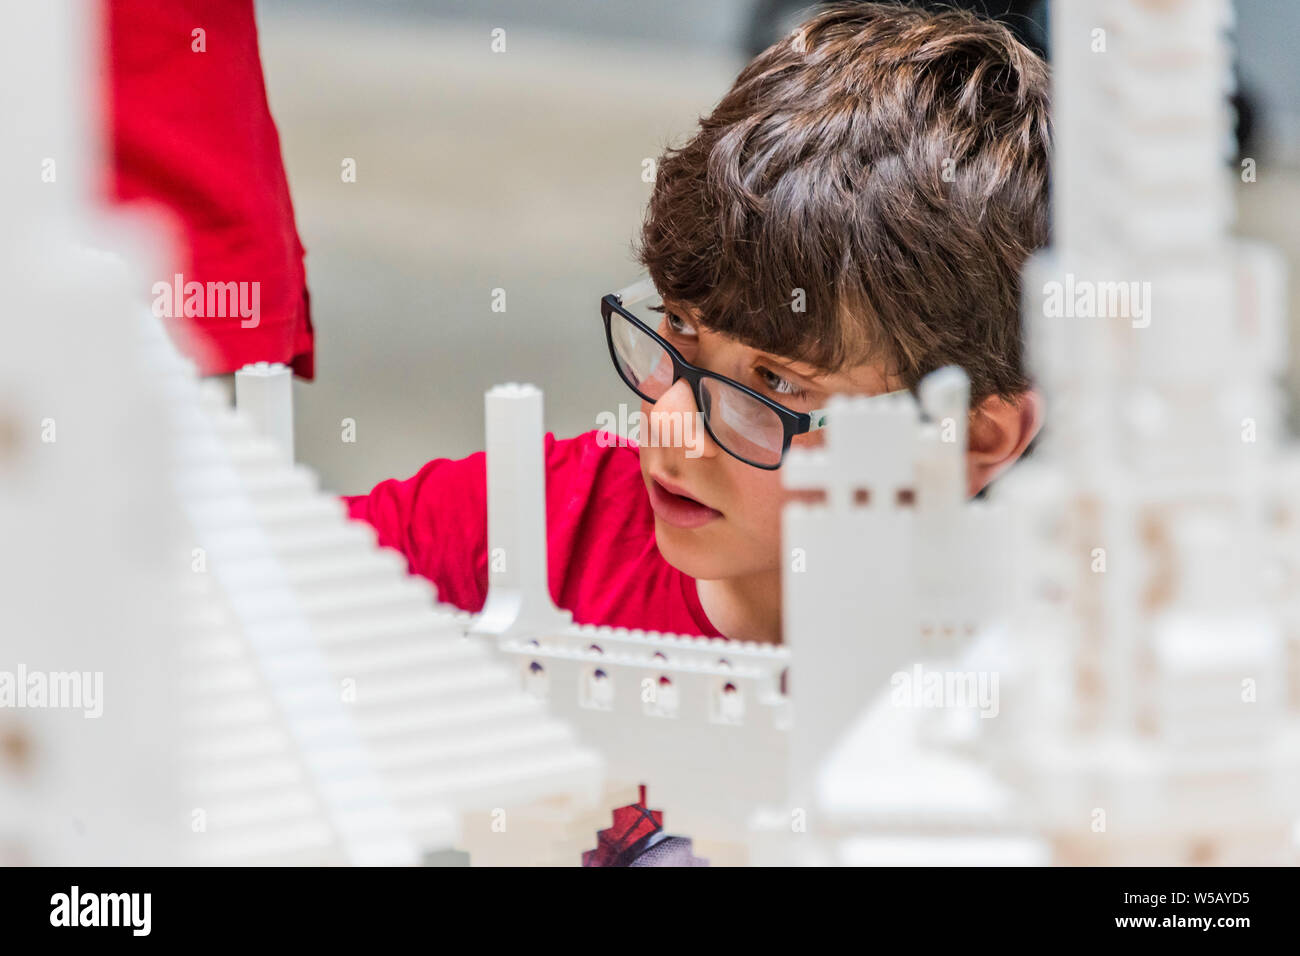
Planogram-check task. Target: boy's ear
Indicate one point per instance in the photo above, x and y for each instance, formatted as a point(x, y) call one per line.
point(1000, 431)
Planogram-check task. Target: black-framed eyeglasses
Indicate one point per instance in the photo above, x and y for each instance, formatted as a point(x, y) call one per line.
point(743, 423)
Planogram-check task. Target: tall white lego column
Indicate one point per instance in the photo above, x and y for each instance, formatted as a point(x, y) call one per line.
point(519, 601)
point(1147, 520)
point(264, 393)
point(52, 163)
point(85, 776)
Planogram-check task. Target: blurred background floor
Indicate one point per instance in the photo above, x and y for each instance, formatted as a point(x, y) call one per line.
point(520, 171)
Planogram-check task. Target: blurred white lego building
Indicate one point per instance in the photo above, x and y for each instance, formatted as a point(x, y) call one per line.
point(1154, 718)
point(1147, 654)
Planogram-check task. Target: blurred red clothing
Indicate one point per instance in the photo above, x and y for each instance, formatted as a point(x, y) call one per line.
point(602, 560)
point(191, 130)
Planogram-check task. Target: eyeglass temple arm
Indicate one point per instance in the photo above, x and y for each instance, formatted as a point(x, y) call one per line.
point(818, 417)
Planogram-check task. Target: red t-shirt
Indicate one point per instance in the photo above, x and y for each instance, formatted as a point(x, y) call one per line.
point(603, 563)
point(191, 132)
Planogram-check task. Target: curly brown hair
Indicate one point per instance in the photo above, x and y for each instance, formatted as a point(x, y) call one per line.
point(889, 163)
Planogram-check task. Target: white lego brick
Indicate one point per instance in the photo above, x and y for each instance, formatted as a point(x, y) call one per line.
point(519, 599)
point(264, 393)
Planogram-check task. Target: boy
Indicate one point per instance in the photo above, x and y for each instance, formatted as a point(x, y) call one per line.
point(853, 215)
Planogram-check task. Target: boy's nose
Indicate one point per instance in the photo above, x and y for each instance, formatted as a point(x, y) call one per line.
point(683, 420)
point(679, 398)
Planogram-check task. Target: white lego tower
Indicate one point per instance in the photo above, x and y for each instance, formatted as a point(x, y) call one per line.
point(87, 518)
point(1148, 643)
point(892, 569)
point(889, 566)
point(1151, 719)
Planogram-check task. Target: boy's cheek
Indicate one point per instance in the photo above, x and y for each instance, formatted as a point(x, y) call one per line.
point(759, 498)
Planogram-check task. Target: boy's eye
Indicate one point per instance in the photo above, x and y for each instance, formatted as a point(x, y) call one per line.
point(778, 384)
point(673, 322)
point(677, 325)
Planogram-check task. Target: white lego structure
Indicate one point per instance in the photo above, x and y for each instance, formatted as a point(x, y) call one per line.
point(1148, 651)
point(87, 515)
point(201, 658)
point(1153, 716)
point(700, 721)
point(328, 666)
point(1100, 665)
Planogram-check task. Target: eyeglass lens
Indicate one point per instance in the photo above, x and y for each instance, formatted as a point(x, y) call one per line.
point(744, 426)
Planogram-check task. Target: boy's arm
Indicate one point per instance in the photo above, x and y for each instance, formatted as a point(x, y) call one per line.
point(437, 518)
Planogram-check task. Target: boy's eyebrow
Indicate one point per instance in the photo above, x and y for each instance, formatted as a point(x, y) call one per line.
point(693, 315)
point(785, 364)
point(691, 312)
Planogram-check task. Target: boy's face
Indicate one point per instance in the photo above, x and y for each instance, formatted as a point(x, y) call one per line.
point(738, 532)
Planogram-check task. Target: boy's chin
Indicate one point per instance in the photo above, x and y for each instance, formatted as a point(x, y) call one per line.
point(701, 555)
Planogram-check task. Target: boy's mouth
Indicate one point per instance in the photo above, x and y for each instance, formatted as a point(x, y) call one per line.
point(677, 508)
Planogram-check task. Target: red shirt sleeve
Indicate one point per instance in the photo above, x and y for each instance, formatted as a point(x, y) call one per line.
point(437, 518)
point(603, 563)
point(192, 134)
